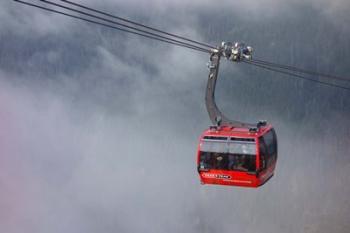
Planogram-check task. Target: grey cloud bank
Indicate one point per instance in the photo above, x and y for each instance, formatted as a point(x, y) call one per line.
point(98, 129)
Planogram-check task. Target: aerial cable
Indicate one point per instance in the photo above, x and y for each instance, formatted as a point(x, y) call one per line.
point(294, 75)
point(288, 70)
point(239, 52)
point(137, 24)
point(114, 27)
point(120, 24)
point(110, 26)
point(291, 68)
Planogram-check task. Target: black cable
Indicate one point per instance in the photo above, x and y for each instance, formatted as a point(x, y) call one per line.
point(300, 70)
point(138, 24)
point(295, 75)
point(110, 26)
point(256, 62)
point(120, 24)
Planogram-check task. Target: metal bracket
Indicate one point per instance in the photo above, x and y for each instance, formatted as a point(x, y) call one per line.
point(234, 52)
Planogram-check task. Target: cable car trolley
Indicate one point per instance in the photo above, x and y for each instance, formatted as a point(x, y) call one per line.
point(232, 152)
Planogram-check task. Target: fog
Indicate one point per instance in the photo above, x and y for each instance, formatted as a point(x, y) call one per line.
point(99, 129)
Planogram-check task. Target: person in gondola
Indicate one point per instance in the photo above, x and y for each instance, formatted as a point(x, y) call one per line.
point(219, 161)
point(231, 162)
point(241, 160)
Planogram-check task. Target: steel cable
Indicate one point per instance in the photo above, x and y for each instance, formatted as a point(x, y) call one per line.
point(137, 24)
point(291, 68)
point(113, 27)
point(120, 24)
point(295, 75)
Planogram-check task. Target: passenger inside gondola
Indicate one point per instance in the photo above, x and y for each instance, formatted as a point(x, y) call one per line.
point(227, 161)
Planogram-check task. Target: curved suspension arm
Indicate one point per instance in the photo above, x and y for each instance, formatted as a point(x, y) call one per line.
point(216, 116)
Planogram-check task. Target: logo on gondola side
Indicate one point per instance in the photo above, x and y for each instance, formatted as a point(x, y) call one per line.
point(216, 176)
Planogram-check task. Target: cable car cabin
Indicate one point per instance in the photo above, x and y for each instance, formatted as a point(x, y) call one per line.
point(237, 156)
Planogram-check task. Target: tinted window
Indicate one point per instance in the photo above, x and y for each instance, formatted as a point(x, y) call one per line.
point(227, 161)
point(242, 148)
point(263, 153)
point(268, 148)
point(212, 146)
point(269, 139)
point(238, 154)
point(233, 147)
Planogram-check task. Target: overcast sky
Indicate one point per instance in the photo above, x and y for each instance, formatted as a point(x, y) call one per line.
point(99, 129)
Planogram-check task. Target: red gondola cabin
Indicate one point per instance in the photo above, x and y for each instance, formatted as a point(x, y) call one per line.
point(237, 156)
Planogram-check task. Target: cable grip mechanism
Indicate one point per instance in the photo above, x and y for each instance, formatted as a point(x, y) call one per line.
point(236, 52)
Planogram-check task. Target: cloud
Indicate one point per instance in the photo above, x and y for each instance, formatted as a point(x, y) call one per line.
point(98, 129)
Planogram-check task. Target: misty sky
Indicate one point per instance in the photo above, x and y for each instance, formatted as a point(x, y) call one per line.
point(99, 129)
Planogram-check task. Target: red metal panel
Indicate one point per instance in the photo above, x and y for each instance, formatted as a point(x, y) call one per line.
point(236, 178)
